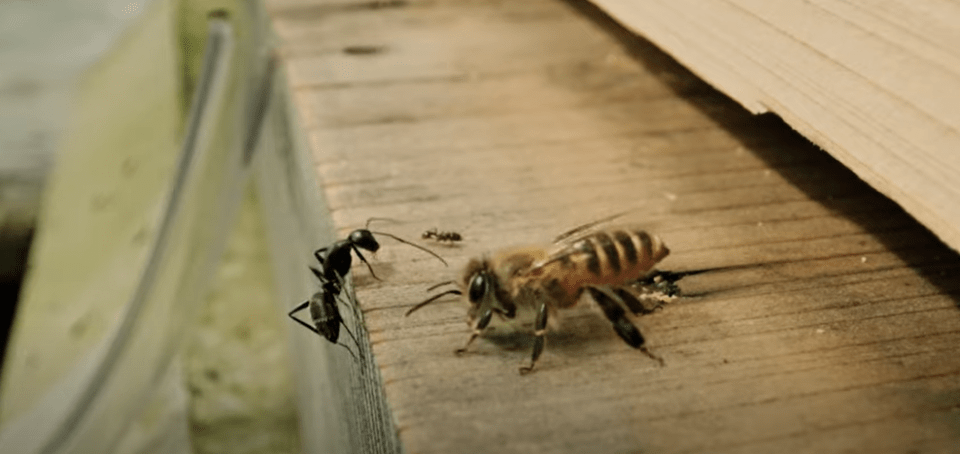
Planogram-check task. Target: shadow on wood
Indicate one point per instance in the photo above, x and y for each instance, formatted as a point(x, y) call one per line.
point(808, 168)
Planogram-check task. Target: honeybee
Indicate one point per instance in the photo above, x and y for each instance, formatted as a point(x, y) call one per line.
point(614, 265)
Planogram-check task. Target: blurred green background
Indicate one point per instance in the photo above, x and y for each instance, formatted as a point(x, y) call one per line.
point(118, 134)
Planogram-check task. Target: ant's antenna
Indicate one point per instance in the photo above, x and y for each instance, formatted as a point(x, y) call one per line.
point(394, 221)
point(428, 251)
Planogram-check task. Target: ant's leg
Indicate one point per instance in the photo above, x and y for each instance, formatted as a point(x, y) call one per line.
point(352, 307)
point(621, 324)
point(355, 341)
point(540, 330)
point(304, 306)
point(319, 254)
point(634, 303)
point(317, 273)
point(307, 325)
point(348, 349)
point(351, 297)
point(365, 262)
point(481, 325)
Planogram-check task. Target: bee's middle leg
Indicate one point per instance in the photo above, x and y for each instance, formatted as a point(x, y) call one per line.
point(610, 302)
point(540, 330)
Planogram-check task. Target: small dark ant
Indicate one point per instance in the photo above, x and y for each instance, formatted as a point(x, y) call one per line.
point(440, 237)
point(336, 261)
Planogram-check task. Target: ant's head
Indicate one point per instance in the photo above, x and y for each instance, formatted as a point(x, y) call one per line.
point(363, 238)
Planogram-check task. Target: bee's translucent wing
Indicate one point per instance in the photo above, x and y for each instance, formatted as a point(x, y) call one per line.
point(566, 250)
point(629, 243)
point(574, 234)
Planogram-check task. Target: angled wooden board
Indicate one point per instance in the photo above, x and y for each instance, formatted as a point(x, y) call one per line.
point(873, 83)
point(832, 328)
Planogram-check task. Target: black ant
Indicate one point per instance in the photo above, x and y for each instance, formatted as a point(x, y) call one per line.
point(336, 261)
point(451, 237)
point(325, 313)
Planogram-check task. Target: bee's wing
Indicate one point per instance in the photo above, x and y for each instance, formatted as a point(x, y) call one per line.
point(574, 234)
point(568, 250)
point(576, 245)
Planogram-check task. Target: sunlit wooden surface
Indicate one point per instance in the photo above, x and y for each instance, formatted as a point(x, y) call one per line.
point(835, 328)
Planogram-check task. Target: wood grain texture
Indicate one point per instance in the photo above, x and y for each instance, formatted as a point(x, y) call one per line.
point(832, 329)
point(872, 83)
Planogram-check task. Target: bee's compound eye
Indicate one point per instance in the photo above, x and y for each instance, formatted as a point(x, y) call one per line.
point(478, 287)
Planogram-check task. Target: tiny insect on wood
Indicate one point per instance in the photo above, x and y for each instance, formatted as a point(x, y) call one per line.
point(442, 236)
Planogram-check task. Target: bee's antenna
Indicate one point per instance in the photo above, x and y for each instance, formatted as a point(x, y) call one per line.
point(432, 299)
point(436, 286)
point(428, 251)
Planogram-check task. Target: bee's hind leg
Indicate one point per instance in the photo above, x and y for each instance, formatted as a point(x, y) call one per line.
point(611, 304)
point(539, 330)
point(633, 302)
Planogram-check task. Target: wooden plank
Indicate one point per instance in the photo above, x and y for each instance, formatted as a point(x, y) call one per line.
point(835, 333)
point(871, 84)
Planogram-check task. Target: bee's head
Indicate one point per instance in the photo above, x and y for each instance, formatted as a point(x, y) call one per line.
point(485, 292)
point(363, 238)
point(478, 287)
point(482, 289)
point(478, 281)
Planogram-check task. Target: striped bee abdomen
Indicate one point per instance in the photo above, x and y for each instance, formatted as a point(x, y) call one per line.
point(618, 255)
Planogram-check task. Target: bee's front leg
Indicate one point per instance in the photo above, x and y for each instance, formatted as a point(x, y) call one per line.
point(478, 328)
